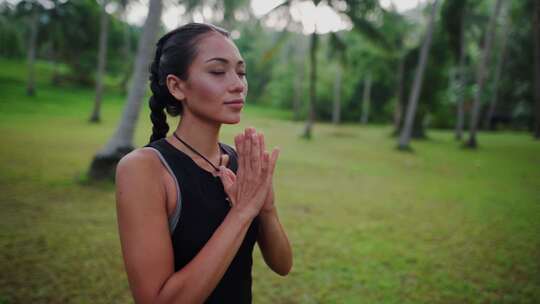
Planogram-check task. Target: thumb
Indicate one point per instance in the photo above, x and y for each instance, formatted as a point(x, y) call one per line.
point(225, 179)
point(224, 160)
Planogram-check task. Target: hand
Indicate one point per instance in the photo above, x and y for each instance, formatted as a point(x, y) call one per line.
point(248, 189)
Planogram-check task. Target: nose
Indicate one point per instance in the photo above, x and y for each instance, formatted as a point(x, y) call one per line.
point(239, 84)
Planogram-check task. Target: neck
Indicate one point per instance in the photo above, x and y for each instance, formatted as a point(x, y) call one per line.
point(202, 135)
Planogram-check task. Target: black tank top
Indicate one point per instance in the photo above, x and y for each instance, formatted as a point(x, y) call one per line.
point(201, 208)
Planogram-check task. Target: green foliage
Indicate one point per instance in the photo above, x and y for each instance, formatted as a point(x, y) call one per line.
point(278, 60)
point(11, 37)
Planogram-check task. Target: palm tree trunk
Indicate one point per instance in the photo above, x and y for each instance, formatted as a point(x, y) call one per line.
point(399, 93)
point(460, 113)
point(298, 92)
point(312, 85)
point(480, 77)
point(31, 55)
point(299, 79)
point(126, 49)
point(405, 135)
point(536, 33)
point(102, 61)
point(104, 163)
point(336, 111)
point(366, 99)
point(498, 70)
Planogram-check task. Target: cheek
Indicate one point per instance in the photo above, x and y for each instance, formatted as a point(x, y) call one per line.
point(208, 90)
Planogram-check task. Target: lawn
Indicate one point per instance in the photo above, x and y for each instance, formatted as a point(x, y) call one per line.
point(368, 224)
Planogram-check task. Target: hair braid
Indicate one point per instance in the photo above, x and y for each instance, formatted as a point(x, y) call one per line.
point(156, 103)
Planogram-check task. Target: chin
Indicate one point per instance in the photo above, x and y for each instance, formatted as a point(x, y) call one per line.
point(231, 119)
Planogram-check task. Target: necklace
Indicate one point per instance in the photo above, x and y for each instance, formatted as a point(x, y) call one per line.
point(197, 152)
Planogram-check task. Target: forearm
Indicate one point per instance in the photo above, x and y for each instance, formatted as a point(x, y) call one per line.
point(274, 243)
point(194, 282)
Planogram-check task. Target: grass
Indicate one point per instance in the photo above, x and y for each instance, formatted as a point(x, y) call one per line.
point(368, 224)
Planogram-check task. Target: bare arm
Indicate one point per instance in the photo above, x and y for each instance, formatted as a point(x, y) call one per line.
point(272, 239)
point(273, 242)
point(144, 233)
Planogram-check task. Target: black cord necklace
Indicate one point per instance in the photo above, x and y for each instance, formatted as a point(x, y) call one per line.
point(196, 152)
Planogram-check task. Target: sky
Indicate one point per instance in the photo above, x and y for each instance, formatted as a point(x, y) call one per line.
point(320, 18)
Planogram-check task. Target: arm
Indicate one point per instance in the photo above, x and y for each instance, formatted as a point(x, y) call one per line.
point(145, 238)
point(272, 239)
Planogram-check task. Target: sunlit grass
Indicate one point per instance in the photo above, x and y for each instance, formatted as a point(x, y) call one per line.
point(368, 224)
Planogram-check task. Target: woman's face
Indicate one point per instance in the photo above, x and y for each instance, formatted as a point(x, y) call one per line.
point(216, 87)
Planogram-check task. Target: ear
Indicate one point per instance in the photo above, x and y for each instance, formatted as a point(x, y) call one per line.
point(176, 86)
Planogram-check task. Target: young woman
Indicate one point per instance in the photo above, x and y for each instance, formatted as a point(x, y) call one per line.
point(190, 208)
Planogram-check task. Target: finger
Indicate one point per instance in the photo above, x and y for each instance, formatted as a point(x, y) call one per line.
point(255, 154)
point(224, 160)
point(239, 143)
point(265, 163)
point(247, 150)
point(262, 143)
point(225, 180)
point(273, 160)
point(231, 174)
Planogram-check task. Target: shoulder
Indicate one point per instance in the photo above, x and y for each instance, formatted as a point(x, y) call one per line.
point(141, 159)
point(229, 149)
point(140, 185)
point(140, 169)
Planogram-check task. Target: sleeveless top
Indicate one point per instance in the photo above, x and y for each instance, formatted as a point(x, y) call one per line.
point(201, 207)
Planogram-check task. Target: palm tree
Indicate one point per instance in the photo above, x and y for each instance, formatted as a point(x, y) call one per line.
point(126, 48)
point(356, 11)
point(454, 23)
point(366, 99)
point(498, 69)
point(536, 38)
point(31, 11)
point(101, 62)
point(405, 135)
point(104, 163)
point(337, 49)
point(480, 76)
point(32, 46)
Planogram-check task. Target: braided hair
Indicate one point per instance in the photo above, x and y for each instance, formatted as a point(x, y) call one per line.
point(175, 52)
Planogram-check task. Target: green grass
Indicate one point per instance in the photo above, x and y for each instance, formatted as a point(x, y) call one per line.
point(368, 224)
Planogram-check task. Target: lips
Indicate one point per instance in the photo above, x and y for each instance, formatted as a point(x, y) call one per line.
point(235, 101)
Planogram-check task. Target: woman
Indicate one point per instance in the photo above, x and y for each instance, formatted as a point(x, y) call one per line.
point(190, 209)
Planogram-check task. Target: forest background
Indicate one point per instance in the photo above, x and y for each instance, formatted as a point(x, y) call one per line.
point(410, 143)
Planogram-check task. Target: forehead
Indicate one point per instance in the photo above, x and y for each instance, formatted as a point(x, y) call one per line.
point(216, 45)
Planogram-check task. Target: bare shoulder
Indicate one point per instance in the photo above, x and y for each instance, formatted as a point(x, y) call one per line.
point(139, 161)
point(139, 177)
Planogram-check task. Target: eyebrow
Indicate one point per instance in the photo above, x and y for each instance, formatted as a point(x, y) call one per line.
point(220, 59)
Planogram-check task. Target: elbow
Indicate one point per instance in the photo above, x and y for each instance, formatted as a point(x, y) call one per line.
point(284, 268)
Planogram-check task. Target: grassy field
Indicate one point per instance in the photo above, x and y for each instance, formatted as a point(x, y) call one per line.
point(368, 224)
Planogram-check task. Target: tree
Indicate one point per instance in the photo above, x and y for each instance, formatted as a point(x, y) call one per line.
point(498, 69)
point(356, 11)
point(405, 135)
point(454, 23)
point(480, 76)
point(103, 165)
point(31, 11)
point(337, 49)
point(312, 85)
point(366, 99)
point(536, 39)
point(101, 62)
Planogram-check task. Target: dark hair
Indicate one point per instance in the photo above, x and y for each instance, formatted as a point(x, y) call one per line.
point(175, 52)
